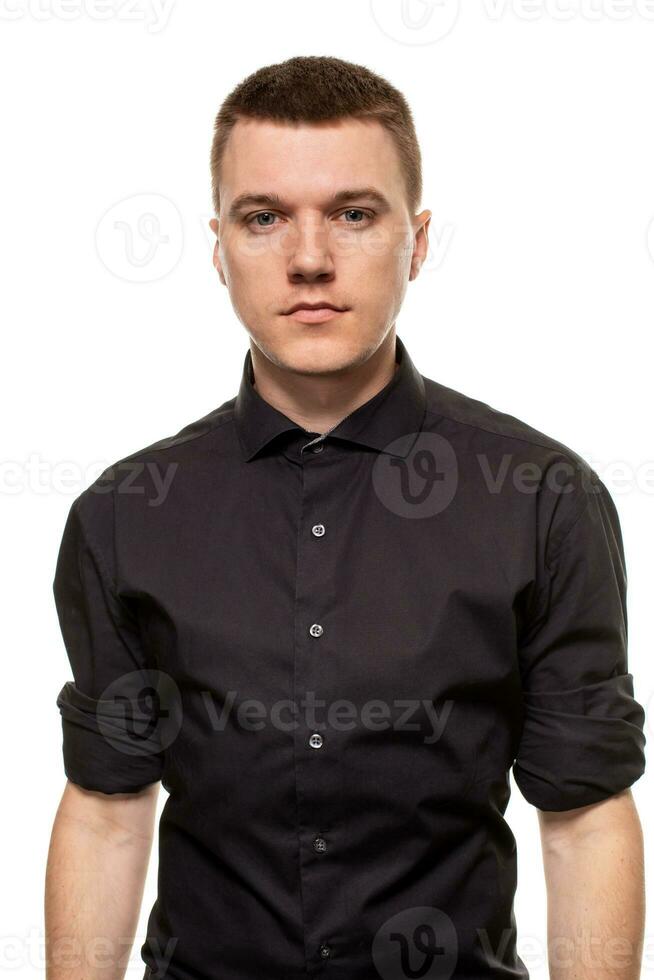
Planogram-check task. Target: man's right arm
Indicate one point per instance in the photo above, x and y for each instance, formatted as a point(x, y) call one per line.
point(97, 863)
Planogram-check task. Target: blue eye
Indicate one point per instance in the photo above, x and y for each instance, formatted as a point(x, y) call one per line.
point(354, 211)
point(263, 214)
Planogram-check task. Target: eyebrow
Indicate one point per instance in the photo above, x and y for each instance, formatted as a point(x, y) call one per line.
point(341, 197)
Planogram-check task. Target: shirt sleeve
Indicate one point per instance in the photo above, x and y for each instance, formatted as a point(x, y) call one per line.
point(582, 738)
point(109, 709)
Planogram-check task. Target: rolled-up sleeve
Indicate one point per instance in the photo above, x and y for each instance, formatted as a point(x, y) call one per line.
point(109, 709)
point(583, 730)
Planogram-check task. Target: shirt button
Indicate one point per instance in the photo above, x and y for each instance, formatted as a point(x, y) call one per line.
point(318, 530)
point(315, 741)
point(319, 448)
point(325, 951)
point(316, 629)
point(320, 845)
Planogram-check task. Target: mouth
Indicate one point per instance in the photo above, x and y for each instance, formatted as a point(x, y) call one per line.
point(314, 312)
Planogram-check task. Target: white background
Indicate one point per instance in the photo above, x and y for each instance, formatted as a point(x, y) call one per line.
point(535, 122)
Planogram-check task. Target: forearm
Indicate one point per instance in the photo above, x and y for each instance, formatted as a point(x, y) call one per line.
point(596, 906)
point(94, 884)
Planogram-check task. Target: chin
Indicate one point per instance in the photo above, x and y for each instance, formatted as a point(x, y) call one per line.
point(317, 352)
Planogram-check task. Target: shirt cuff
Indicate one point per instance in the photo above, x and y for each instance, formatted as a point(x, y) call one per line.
point(580, 746)
point(100, 750)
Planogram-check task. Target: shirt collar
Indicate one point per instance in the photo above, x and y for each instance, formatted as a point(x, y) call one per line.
point(393, 416)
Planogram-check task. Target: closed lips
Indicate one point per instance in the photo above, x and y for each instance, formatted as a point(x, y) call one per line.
point(314, 306)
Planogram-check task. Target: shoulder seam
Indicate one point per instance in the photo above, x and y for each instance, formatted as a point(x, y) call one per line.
point(531, 442)
point(151, 448)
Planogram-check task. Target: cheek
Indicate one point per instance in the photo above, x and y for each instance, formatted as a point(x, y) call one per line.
point(383, 254)
point(252, 273)
point(377, 269)
point(244, 255)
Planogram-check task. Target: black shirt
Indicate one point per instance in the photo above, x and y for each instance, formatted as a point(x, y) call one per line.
point(332, 650)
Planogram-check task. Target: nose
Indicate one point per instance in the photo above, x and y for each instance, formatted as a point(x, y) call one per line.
point(309, 251)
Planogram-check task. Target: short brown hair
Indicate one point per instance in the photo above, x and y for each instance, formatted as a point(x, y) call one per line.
point(317, 88)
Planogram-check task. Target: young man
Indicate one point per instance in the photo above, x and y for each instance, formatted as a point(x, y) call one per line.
point(335, 613)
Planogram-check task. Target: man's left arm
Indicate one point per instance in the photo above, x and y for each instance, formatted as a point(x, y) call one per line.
point(594, 872)
point(582, 739)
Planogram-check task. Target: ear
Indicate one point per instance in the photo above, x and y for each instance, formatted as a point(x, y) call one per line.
point(214, 224)
point(420, 242)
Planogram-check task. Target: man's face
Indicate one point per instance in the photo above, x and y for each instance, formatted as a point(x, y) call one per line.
point(304, 244)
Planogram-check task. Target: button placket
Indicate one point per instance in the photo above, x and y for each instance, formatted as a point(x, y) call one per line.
point(317, 767)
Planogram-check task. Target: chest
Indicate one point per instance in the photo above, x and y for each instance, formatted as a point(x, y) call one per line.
point(345, 563)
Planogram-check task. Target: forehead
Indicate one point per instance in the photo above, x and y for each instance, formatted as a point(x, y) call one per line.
point(310, 160)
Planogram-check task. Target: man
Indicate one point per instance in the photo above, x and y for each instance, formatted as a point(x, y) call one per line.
point(332, 615)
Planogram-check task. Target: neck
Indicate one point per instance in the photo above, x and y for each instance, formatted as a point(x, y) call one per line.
point(318, 402)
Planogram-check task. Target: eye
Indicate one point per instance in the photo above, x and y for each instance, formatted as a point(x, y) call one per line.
point(262, 214)
point(357, 211)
